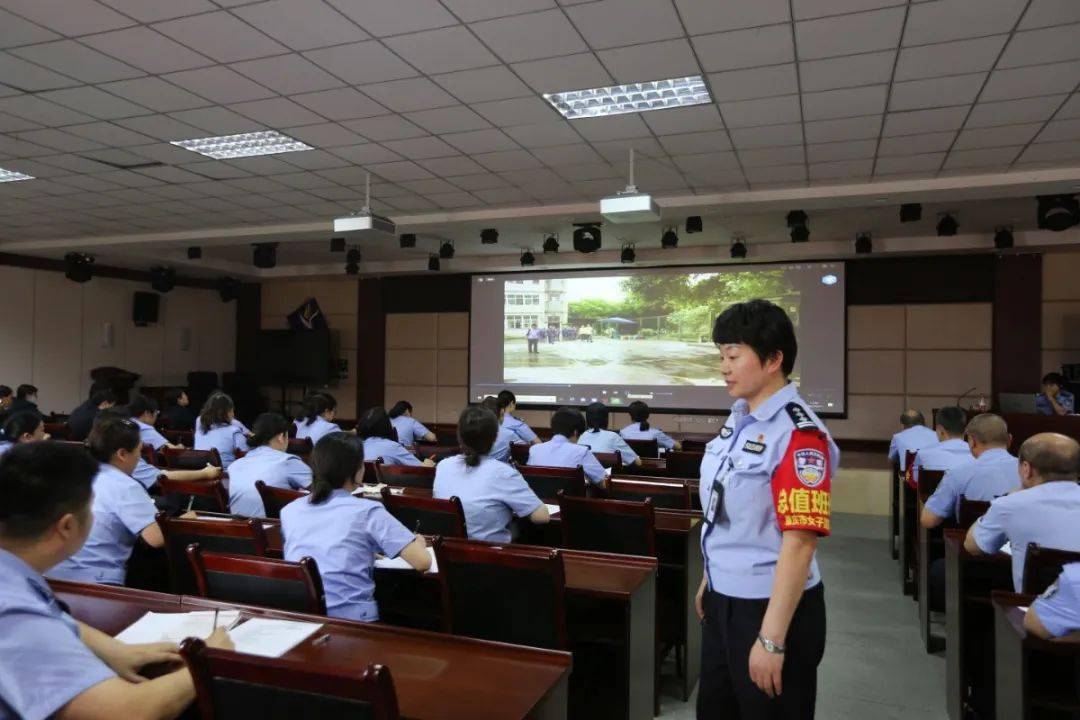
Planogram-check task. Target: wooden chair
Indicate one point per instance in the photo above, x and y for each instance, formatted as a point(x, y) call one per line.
point(220, 534)
point(440, 452)
point(301, 448)
point(250, 580)
point(232, 685)
point(418, 476)
point(684, 464)
point(928, 482)
point(275, 498)
point(180, 437)
point(970, 511)
point(696, 446)
point(645, 448)
point(528, 582)
point(428, 516)
point(611, 460)
point(148, 454)
point(668, 495)
point(187, 459)
point(58, 430)
point(202, 495)
point(519, 453)
point(1042, 566)
point(614, 526)
point(548, 482)
point(370, 476)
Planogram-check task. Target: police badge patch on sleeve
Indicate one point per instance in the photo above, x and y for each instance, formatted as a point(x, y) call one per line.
point(725, 432)
point(809, 466)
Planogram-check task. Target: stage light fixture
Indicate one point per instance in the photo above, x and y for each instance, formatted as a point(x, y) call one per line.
point(800, 234)
point(194, 253)
point(947, 225)
point(551, 243)
point(77, 267)
point(1058, 212)
point(489, 236)
point(433, 263)
point(796, 221)
point(162, 279)
point(628, 255)
point(738, 249)
point(228, 289)
point(587, 238)
point(352, 261)
point(446, 250)
point(337, 244)
point(670, 239)
point(910, 212)
point(527, 258)
point(407, 240)
point(693, 224)
point(1003, 238)
point(265, 255)
point(863, 244)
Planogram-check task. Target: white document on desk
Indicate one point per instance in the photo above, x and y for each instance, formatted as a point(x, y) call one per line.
point(174, 627)
point(1007, 549)
point(552, 509)
point(271, 638)
point(399, 563)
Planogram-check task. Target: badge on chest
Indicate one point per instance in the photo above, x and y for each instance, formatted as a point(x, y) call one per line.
point(754, 447)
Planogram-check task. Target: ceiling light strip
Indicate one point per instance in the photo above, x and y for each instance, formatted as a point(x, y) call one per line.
point(13, 176)
point(632, 98)
point(227, 147)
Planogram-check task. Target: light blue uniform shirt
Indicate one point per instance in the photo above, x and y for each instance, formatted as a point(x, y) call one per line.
point(1046, 514)
point(409, 430)
point(274, 467)
point(519, 428)
point(342, 534)
point(392, 453)
point(226, 438)
point(633, 431)
point(500, 450)
point(993, 474)
point(146, 474)
point(742, 546)
point(122, 509)
point(560, 452)
point(491, 494)
point(1059, 607)
point(5, 446)
point(1064, 398)
point(149, 436)
point(43, 663)
point(946, 455)
point(608, 441)
point(319, 426)
point(908, 440)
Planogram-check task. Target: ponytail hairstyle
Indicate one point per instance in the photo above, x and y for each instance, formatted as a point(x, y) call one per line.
point(336, 459)
point(19, 424)
point(215, 411)
point(376, 423)
point(400, 408)
point(316, 404)
point(111, 433)
point(639, 413)
point(596, 417)
point(477, 429)
point(506, 398)
point(267, 427)
point(140, 406)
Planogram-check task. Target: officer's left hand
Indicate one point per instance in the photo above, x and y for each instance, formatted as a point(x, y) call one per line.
point(766, 669)
point(128, 660)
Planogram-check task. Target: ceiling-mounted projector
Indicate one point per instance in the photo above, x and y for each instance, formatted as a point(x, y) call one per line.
point(365, 221)
point(630, 206)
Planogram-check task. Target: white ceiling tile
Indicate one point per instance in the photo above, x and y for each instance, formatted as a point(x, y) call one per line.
point(588, 171)
point(219, 84)
point(313, 160)
point(1009, 112)
point(1044, 13)
point(1060, 130)
point(457, 118)
point(984, 157)
point(851, 71)
point(1031, 81)
point(340, 104)
point(364, 154)
point(484, 181)
point(28, 77)
point(473, 10)
point(614, 23)
point(15, 31)
point(519, 111)
point(94, 102)
point(924, 121)
point(856, 128)
point(767, 136)
point(683, 120)
point(442, 50)
point(362, 62)
point(928, 163)
point(497, 196)
point(14, 147)
point(703, 16)
point(571, 72)
point(745, 48)
point(147, 11)
point(545, 134)
point(268, 165)
point(39, 110)
point(754, 83)
point(419, 148)
point(146, 50)
point(695, 142)
point(836, 151)
point(1052, 152)
point(849, 34)
point(842, 169)
point(69, 17)
point(849, 102)
point(531, 177)
point(530, 37)
point(450, 166)
point(164, 152)
point(398, 171)
point(300, 24)
point(221, 36)
point(767, 157)
point(767, 111)
point(996, 136)
point(303, 180)
point(916, 144)
point(384, 127)
point(381, 18)
point(507, 160)
point(276, 112)
point(617, 127)
point(287, 74)
point(58, 140)
point(10, 123)
point(493, 83)
point(454, 200)
point(955, 19)
point(776, 174)
point(408, 95)
point(651, 61)
point(155, 94)
point(809, 9)
point(567, 155)
point(936, 92)
point(77, 61)
point(1037, 47)
point(952, 58)
point(217, 120)
point(109, 134)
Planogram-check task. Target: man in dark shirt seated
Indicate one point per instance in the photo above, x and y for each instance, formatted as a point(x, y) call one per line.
point(25, 401)
point(178, 414)
point(82, 418)
point(1054, 398)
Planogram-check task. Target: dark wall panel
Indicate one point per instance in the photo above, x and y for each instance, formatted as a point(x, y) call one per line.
point(1017, 343)
point(370, 344)
point(248, 322)
point(426, 293)
point(926, 279)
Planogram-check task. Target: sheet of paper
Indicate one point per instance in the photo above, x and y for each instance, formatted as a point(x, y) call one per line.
point(174, 627)
point(1007, 548)
point(552, 509)
point(217, 518)
point(607, 472)
point(375, 490)
point(271, 638)
point(399, 563)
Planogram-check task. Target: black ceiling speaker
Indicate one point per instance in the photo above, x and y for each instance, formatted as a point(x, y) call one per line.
point(796, 220)
point(407, 240)
point(162, 279)
point(1058, 212)
point(738, 249)
point(446, 250)
point(352, 261)
point(670, 239)
point(489, 236)
point(863, 243)
point(910, 212)
point(947, 225)
point(265, 255)
point(1003, 238)
point(628, 255)
point(800, 234)
point(551, 243)
point(78, 267)
point(693, 224)
point(587, 238)
point(527, 258)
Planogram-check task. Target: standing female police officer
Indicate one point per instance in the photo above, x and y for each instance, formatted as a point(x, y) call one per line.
point(765, 489)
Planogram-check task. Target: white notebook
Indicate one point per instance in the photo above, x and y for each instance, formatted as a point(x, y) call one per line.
point(552, 509)
point(257, 636)
point(399, 563)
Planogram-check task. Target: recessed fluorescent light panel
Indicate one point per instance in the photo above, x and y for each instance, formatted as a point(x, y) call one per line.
point(632, 98)
point(227, 147)
point(13, 176)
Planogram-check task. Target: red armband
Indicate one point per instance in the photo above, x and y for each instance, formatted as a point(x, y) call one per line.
point(801, 484)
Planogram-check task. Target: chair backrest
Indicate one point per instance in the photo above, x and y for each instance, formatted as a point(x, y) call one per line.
point(675, 496)
point(694, 446)
point(548, 482)
point(275, 498)
point(611, 460)
point(428, 516)
point(614, 526)
point(528, 582)
point(302, 448)
point(203, 495)
point(147, 453)
point(971, 510)
point(232, 685)
point(519, 453)
point(645, 448)
point(440, 452)
point(370, 476)
point(928, 482)
point(187, 459)
point(58, 430)
point(909, 466)
point(278, 584)
point(419, 476)
point(224, 535)
point(179, 437)
point(1042, 566)
point(684, 464)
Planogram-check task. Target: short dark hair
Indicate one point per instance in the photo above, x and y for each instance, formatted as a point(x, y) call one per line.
point(172, 395)
point(24, 391)
point(20, 424)
point(567, 421)
point(5, 391)
point(639, 413)
point(267, 427)
point(952, 419)
point(400, 408)
point(40, 483)
point(376, 423)
point(111, 433)
point(101, 396)
point(1054, 377)
point(506, 397)
point(596, 416)
point(336, 459)
point(477, 429)
point(142, 405)
point(762, 325)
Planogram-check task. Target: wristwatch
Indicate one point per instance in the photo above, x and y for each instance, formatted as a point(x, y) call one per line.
point(770, 646)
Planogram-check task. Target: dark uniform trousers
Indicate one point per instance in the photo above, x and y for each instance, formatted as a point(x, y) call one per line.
point(729, 631)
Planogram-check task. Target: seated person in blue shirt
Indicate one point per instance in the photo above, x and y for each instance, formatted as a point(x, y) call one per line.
point(506, 437)
point(1044, 510)
point(343, 533)
point(409, 430)
point(82, 418)
point(52, 665)
point(492, 493)
point(147, 475)
point(266, 461)
point(952, 451)
point(641, 430)
point(177, 414)
point(144, 411)
point(1054, 399)
point(599, 439)
point(914, 437)
point(1056, 613)
point(22, 428)
point(562, 449)
point(319, 411)
point(516, 425)
point(378, 436)
point(218, 428)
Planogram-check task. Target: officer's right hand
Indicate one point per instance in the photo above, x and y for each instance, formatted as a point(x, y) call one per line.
point(220, 639)
point(699, 600)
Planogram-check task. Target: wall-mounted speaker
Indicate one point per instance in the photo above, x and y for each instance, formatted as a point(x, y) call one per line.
point(145, 308)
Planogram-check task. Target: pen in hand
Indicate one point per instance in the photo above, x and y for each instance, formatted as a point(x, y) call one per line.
point(322, 639)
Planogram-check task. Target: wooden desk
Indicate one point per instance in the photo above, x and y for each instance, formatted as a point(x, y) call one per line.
point(908, 522)
point(930, 548)
point(1024, 425)
point(894, 511)
point(436, 676)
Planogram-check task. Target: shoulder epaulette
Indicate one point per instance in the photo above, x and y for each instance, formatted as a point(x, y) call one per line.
point(800, 417)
